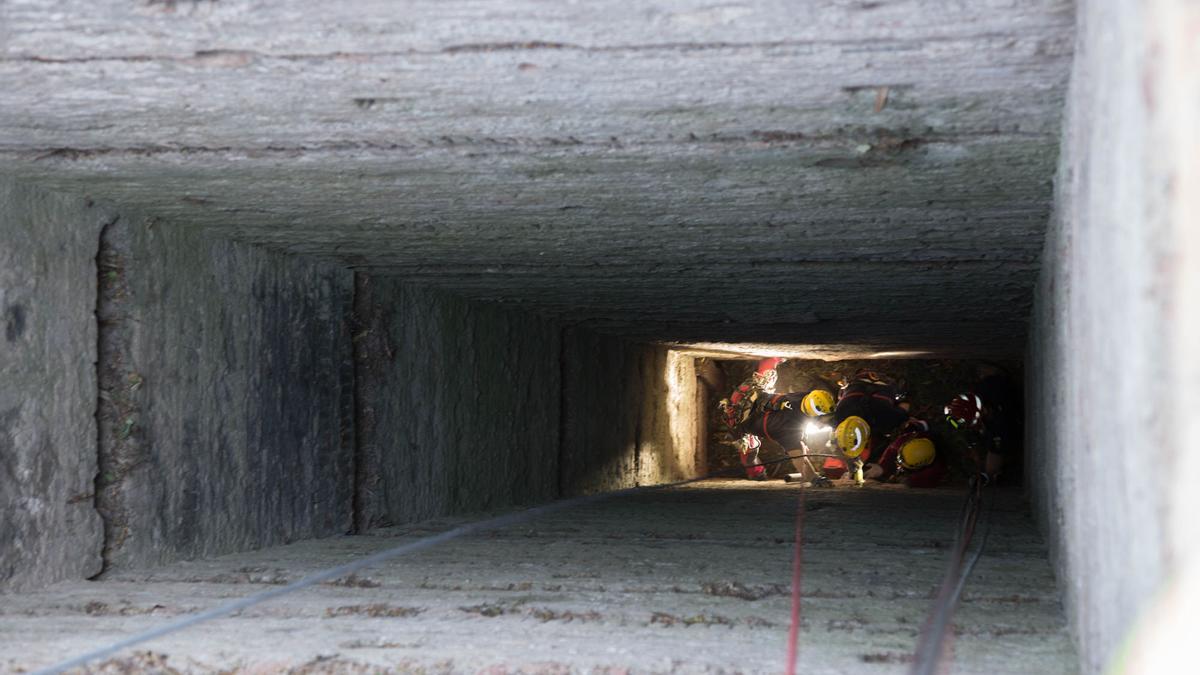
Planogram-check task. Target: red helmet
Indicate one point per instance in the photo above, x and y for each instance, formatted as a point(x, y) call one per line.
point(766, 376)
point(769, 364)
point(965, 410)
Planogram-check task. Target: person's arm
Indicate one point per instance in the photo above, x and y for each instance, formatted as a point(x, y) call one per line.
point(992, 465)
point(993, 462)
point(886, 467)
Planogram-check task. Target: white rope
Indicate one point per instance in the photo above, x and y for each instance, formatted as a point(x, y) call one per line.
point(356, 565)
point(334, 573)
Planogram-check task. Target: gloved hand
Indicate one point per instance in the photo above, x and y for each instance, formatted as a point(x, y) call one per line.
point(979, 480)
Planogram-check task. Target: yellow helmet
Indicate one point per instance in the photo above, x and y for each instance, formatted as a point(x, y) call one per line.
point(852, 435)
point(916, 453)
point(816, 403)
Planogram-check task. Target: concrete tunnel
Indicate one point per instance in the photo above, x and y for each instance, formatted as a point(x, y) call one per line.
point(285, 285)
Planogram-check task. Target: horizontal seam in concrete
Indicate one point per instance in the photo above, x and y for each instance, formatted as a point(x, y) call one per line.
point(877, 45)
point(643, 267)
point(769, 137)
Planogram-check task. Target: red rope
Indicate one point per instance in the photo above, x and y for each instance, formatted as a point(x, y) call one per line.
point(797, 576)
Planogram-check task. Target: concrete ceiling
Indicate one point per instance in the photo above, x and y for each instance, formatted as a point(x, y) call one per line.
point(868, 176)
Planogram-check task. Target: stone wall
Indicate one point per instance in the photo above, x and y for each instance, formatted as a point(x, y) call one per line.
point(668, 433)
point(49, 529)
point(1112, 358)
point(458, 404)
point(611, 166)
point(225, 383)
point(221, 398)
point(629, 413)
point(247, 398)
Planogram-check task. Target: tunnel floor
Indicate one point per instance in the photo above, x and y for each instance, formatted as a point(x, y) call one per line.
point(685, 579)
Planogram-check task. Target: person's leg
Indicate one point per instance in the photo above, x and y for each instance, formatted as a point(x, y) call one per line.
point(929, 477)
point(993, 464)
point(748, 448)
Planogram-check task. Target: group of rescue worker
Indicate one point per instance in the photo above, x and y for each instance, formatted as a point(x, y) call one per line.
point(871, 432)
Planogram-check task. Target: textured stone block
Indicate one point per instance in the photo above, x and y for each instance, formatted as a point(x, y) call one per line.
point(49, 529)
point(458, 404)
point(629, 412)
point(883, 167)
point(225, 376)
point(1112, 349)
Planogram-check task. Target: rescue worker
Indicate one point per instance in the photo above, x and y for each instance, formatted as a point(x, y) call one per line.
point(987, 414)
point(911, 458)
point(737, 409)
point(870, 407)
point(754, 412)
point(782, 417)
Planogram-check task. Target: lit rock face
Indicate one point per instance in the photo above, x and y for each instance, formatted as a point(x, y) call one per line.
point(852, 175)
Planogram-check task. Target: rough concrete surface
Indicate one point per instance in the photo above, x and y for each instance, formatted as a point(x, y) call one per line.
point(223, 379)
point(601, 412)
point(458, 404)
point(1112, 349)
point(609, 165)
point(683, 580)
point(548, 187)
point(667, 447)
point(49, 529)
point(629, 414)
